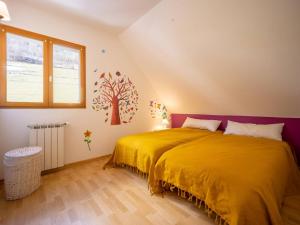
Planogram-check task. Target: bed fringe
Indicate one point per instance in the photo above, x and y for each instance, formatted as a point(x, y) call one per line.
point(197, 202)
point(133, 169)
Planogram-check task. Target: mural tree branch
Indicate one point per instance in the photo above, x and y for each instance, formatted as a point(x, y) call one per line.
point(117, 93)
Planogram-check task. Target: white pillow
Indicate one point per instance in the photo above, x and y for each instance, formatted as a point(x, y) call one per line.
point(211, 125)
point(272, 131)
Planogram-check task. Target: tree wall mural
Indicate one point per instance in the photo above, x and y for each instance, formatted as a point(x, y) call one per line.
point(117, 96)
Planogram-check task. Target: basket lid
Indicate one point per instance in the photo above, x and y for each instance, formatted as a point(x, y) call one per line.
point(23, 152)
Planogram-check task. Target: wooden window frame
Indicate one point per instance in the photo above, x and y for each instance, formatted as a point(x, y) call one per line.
point(48, 43)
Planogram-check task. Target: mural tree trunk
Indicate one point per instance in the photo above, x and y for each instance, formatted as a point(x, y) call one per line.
point(115, 114)
point(117, 93)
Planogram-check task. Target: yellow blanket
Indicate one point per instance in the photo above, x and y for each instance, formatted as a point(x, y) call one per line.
point(141, 151)
point(244, 180)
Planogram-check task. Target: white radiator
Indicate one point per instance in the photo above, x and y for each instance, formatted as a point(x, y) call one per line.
point(51, 138)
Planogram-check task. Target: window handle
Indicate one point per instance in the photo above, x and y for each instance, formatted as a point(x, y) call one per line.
point(50, 79)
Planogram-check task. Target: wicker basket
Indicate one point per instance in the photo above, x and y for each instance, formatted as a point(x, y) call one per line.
point(22, 171)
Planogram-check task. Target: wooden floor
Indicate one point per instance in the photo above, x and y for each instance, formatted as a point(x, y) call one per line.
point(87, 195)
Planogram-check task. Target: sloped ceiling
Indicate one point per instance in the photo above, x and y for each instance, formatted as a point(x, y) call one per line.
point(115, 15)
point(221, 57)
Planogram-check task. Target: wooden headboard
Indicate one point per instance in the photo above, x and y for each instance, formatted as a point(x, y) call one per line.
point(291, 130)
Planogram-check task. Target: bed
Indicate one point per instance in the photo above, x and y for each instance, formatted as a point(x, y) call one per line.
point(140, 152)
point(239, 180)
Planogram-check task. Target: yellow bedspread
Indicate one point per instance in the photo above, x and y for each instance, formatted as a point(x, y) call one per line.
point(142, 151)
point(244, 180)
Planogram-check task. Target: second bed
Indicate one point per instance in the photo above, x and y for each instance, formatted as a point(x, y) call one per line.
point(238, 179)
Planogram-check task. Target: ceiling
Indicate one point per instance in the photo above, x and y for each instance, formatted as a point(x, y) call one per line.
point(115, 14)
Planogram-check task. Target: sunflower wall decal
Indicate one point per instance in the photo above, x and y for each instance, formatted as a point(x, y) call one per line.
point(87, 138)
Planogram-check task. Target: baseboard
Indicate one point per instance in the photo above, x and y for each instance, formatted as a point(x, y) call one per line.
point(69, 165)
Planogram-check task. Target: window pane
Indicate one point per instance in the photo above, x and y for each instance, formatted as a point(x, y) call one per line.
point(66, 75)
point(24, 69)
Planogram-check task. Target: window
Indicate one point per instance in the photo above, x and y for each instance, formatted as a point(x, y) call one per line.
point(40, 71)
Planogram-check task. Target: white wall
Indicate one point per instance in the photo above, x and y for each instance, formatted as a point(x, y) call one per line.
point(226, 57)
point(235, 57)
point(13, 122)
